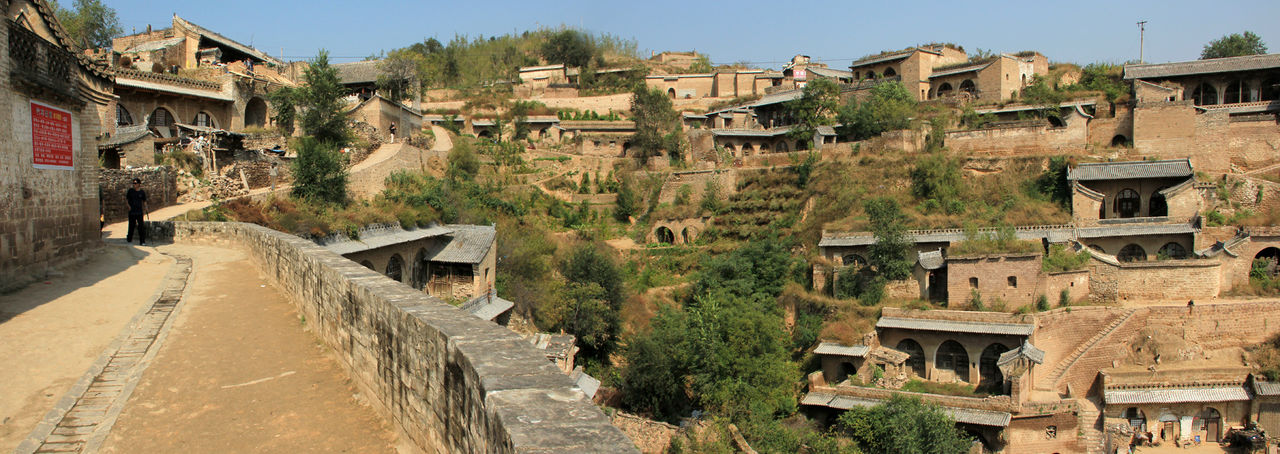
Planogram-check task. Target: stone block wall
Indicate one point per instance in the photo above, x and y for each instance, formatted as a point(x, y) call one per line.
point(452, 382)
point(161, 184)
point(1012, 278)
point(1035, 140)
point(1031, 435)
point(1075, 282)
point(1167, 280)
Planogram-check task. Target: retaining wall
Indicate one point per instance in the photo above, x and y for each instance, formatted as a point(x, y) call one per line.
point(452, 382)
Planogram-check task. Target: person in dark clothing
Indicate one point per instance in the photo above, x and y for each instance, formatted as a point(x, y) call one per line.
point(393, 132)
point(137, 198)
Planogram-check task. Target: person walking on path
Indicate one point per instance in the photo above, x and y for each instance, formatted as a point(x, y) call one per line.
point(393, 132)
point(273, 173)
point(137, 198)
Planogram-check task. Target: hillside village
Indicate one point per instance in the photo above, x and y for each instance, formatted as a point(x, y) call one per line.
point(1048, 256)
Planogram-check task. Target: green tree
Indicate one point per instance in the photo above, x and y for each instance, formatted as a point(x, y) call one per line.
point(320, 100)
point(889, 255)
point(1053, 184)
point(570, 47)
point(463, 164)
point(283, 101)
point(626, 205)
point(937, 177)
point(90, 23)
point(711, 196)
point(400, 74)
point(901, 425)
point(889, 107)
point(815, 107)
point(588, 264)
point(319, 172)
point(657, 124)
point(702, 64)
point(657, 364)
point(1234, 45)
point(582, 309)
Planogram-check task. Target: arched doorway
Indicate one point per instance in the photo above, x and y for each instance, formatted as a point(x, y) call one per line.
point(664, 235)
point(871, 74)
point(1137, 419)
point(122, 116)
point(395, 268)
point(1212, 425)
point(952, 357)
point(1266, 264)
point(1132, 253)
point(992, 379)
point(854, 260)
point(915, 356)
point(162, 121)
point(1119, 141)
point(1057, 122)
point(1236, 92)
point(1271, 89)
point(684, 235)
point(1173, 251)
point(419, 267)
point(967, 86)
point(945, 89)
point(889, 72)
point(671, 93)
point(255, 113)
point(1158, 206)
point(1204, 95)
point(1097, 248)
point(203, 119)
point(1128, 203)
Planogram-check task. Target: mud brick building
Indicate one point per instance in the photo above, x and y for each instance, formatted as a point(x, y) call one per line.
point(57, 101)
point(450, 261)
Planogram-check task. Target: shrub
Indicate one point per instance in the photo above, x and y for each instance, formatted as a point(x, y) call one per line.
point(975, 301)
point(1060, 259)
point(1064, 298)
point(1042, 303)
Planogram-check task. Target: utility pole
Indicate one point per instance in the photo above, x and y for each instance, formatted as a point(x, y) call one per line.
point(1142, 39)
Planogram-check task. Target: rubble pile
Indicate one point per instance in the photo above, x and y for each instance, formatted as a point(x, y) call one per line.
point(258, 173)
point(218, 187)
point(367, 135)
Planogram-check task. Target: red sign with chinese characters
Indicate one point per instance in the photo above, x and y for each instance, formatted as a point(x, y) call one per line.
point(51, 140)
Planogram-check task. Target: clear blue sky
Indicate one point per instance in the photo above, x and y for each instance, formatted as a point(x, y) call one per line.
point(764, 33)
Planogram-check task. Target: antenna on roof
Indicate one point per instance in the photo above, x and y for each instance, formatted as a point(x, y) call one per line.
point(1142, 38)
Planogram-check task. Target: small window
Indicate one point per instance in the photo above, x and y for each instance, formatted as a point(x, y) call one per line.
point(613, 143)
point(1013, 281)
point(973, 282)
point(1051, 432)
point(595, 142)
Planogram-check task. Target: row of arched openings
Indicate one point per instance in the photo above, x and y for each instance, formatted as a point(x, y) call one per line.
point(953, 357)
point(945, 89)
point(1237, 91)
point(1128, 204)
point(255, 115)
point(1135, 253)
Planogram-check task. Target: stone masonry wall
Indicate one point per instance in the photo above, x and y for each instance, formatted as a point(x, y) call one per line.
point(1012, 278)
point(1030, 435)
point(452, 382)
point(160, 183)
point(1035, 140)
point(1166, 280)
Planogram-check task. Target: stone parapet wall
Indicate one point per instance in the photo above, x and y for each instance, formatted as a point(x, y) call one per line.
point(1164, 280)
point(161, 184)
point(452, 382)
point(958, 316)
point(991, 403)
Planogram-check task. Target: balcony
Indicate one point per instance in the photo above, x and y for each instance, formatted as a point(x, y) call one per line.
point(39, 65)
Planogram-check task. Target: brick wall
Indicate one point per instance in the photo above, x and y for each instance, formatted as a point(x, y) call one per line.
point(161, 184)
point(1013, 279)
point(1022, 140)
point(1168, 280)
point(1030, 435)
point(47, 217)
point(452, 382)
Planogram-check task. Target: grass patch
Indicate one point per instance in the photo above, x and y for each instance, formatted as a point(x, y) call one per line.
point(946, 389)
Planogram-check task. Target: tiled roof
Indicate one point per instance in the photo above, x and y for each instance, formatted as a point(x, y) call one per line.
point(598, 125)
point(1175, 395)
point(1054, 233)
point(834, 349)
point(555, 346)
point(949, 326)
point(1024, 108)
point(1264, 388)
point(931, 260)
point(882, 59)
point(742, 132)
point(360, 72)
point(541, 68)
point(167, 88)
point(213, 36)
point(1026, 350)
point(833, 73)
point(469, 244)
point(961, 69)
point(826, 130)
point(1210, 66)
point(370, 240)
point(147, 46)
point(961, 415)
point(1132, 169)
point(1135, 229)
point(488, 306)
point(126, 135)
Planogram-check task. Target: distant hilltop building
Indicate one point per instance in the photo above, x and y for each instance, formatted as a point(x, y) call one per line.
point(941, 71)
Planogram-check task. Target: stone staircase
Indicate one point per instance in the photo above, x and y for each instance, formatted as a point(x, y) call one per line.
point(1088, 355)
point(1091, 435)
